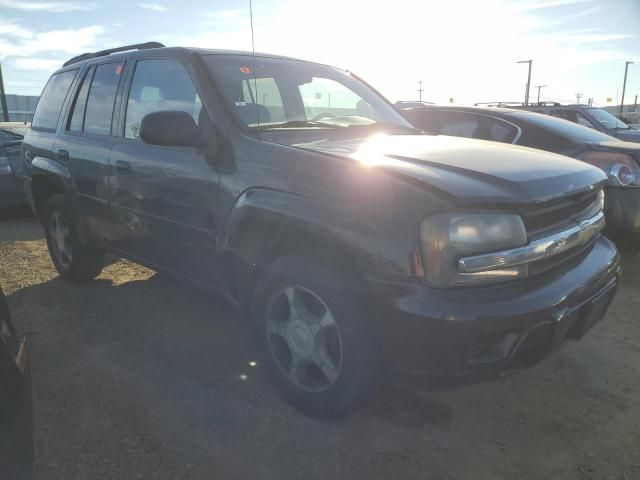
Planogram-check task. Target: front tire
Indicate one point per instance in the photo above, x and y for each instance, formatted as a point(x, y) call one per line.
point(319, 343)
point(72, 259)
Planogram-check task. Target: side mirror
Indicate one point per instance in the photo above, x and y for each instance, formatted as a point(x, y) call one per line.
point(171, 129)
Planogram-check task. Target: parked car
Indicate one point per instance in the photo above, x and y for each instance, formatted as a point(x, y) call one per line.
point(11, 189)
point(16, 442)
point(619, 160)
point(592, 117)
point(356, 245)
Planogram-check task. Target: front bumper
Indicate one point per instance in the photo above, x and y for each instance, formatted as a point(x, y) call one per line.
point(622, 211)
point(444, 338)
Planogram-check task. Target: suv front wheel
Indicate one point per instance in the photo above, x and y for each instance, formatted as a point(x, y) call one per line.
point(318, 341)
point(72, 259)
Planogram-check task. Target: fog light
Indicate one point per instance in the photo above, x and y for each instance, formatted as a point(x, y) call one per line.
point(492, 349)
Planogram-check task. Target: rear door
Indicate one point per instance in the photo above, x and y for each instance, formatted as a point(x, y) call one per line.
point(85, 144)
point(11, 148)
point(38, 142)
point(163, 199)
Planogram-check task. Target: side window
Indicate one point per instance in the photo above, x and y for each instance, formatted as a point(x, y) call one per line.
point(76, 120)
point(102, 96)
point(424, 119)
point(264, 91)
point(497, 130)
point(459, 124)
point(51, 100)
point(159, 85)
point(563, 115)
point(582, 120)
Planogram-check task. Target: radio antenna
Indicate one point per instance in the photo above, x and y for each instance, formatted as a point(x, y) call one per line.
point(253, 54)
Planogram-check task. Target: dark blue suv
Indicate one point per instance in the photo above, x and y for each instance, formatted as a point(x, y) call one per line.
point(356, 246)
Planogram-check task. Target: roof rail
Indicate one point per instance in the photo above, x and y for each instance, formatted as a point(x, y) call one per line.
point(518, 104)
point(103, 53)
point(498, 104)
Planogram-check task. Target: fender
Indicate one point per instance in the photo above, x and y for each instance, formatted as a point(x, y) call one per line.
point(264, 223)
point(48, 177)
point(52, 167)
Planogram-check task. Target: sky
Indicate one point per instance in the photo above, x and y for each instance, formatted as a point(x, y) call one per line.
point(462, 50)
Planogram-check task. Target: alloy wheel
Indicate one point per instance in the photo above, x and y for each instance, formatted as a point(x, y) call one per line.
point(60, 239)
point(303, 338)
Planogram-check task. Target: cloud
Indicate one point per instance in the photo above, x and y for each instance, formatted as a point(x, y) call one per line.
point(55, 7)
point(46, 64)
point(71, 42)
point(153, 6)
point(540, 4)
point(16, 31)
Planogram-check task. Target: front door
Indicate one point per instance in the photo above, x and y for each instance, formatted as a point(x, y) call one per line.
point(163, 199)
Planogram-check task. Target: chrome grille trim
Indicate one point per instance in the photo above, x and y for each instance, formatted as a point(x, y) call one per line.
point(539, 249)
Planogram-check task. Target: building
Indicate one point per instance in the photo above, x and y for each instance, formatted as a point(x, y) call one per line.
point(20, 107)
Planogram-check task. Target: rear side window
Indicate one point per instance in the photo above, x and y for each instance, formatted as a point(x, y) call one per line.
point(159, 85)
point(470, 125)
point(51, 100)
point(102, 96)
point(76, 121)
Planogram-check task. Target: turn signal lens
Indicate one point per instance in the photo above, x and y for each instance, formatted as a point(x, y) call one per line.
point(621, 168)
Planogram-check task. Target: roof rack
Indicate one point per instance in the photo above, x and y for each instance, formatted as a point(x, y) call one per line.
point(104, 53)
point(518, 104)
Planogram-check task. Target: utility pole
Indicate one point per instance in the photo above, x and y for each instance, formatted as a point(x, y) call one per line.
point(578, 96)
point(624, 84)
point(3, 99)
point(635, 103)
point(590, 101)
point(420, 90)
point(526, 92)
point(539, 87)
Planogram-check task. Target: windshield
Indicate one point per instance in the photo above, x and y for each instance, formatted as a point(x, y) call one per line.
point(563, 128)
point(271, 93)
point(607, 120)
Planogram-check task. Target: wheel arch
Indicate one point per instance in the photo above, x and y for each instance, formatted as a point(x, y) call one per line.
point(265, 224)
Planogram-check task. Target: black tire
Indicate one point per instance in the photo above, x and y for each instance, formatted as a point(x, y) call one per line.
point(361, 365)
point(80, 263)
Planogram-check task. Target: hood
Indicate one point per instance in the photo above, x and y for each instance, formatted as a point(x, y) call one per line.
point(470, 171)
point(616, 145)
point(628, 135)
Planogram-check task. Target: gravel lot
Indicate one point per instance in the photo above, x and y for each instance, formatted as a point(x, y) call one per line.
point(138, 377)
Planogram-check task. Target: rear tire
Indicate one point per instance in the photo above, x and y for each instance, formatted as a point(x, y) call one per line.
point(73, 260)
point(319, 343)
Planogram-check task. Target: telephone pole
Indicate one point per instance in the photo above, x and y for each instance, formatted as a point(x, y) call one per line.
point(539, 87)
point(3, 99)
point(624, 84)
point(578, 96)
point(526, 92)
point(420, 90)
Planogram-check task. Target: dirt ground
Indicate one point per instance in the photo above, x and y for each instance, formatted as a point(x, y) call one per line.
point(138, 377)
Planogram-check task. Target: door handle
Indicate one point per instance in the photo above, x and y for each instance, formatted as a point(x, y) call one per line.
point(122, 166)
point(63, 155)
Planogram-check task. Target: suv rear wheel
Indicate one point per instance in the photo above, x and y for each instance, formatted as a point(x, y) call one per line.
point(72, 259)
point(319, 348)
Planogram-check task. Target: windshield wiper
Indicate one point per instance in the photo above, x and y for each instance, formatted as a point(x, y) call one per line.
point(294, 124)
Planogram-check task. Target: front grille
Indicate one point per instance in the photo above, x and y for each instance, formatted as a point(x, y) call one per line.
point(557, 215)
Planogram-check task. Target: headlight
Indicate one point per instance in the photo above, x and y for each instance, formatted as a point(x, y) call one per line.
point(621, 168)
point(446, 237)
